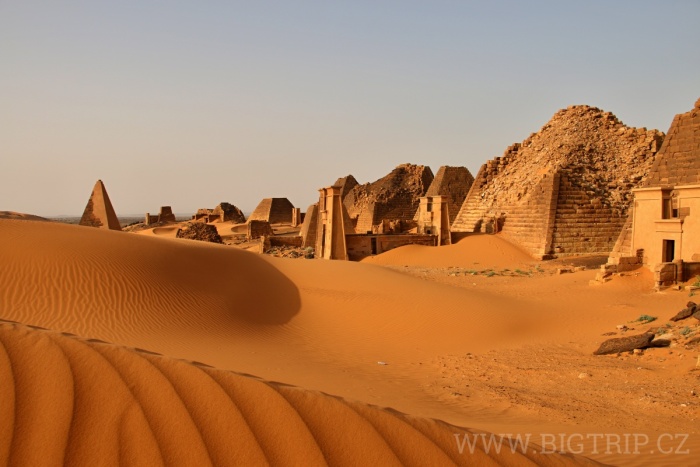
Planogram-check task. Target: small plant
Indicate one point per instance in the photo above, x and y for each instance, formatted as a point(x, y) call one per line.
point(522, 273)
point(490, 273)
point(644, 319)
point(685, 331)
point(694, 284)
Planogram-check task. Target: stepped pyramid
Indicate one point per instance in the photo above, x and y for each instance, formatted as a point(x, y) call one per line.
point(677, 165)
point(678, 161)
point(346, 185)
point(565, 190)
point(309, 227)
point(99, 211)
point(454, 184)
point(274, 211)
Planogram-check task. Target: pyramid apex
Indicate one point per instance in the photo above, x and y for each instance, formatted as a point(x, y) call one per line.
point(99, 211)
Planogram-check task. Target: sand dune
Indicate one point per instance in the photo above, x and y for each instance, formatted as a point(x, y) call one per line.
point(115, 284)
point(78, 402)
point(20, 216)
point(124, 288)
point(324, 325)
point(475, 251)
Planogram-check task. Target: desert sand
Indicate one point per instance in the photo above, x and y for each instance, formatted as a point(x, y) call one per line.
point(85, 402)
point(475, 334)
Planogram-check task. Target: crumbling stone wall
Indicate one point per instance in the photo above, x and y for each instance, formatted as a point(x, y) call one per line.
point(257, 229)
point(393, 197)
point(199, 231)
point(228, 212)
point(599, 160)
point(164, 216)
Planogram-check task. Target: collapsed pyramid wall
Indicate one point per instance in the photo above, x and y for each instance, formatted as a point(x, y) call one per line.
point(274, 211)
point(530, 223)
point(228, 212)
point(583, 224)
point(393, 197)
point(599, 160)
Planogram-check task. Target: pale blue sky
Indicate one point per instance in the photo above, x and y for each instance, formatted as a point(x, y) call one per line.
point(189, 103)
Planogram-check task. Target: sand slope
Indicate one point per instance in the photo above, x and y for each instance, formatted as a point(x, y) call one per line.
point(325, 324)
point(79, 402)
point(20, 216)
point(123, 287)
point(110, 283)
point(474, 251)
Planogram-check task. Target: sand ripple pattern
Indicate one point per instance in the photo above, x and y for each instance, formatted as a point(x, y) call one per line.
point(74, 401)
point(106, 283)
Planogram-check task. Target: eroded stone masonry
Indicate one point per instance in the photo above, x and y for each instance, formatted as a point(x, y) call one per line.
point(565, 190)
point(393, 198)
point(663, 230)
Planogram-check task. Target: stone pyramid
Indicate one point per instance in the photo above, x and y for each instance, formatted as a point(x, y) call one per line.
point(274, 211)
point(565, 190)
point(99, 211)
point(678, 161)
point(393, 197)
point(453, 183)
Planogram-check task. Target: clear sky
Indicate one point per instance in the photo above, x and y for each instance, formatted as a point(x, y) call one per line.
point(189, 103)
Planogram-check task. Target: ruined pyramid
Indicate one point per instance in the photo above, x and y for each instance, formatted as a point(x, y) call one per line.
point(565, 190)
point(393, 197)
point(99, 211)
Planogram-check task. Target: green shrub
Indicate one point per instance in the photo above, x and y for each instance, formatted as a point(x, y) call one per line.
point(644, 319)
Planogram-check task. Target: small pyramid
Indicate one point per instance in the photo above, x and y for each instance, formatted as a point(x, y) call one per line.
point(99, 211)
point(274, 211)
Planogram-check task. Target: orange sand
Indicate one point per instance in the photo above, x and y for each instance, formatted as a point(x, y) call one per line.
point(477, 252)
point(82, 402)
point(501, 353)
point(20, 216)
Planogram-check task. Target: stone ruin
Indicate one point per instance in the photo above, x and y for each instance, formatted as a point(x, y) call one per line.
point(394, 197)
point(453, 184)
point(165, 216)
point(223, 212)
point(346, 185)
point(309, 227)
point(678, 161)
point(274, 211)
point(663, 231)
point(199, 231)
point(257, 229)
point(99, 211)
point(565, 190)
